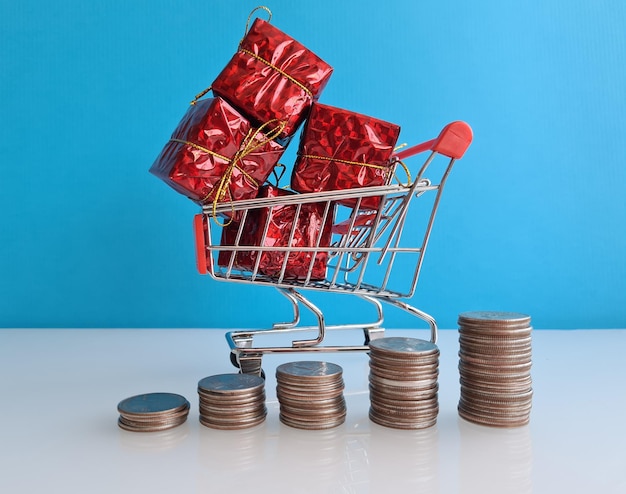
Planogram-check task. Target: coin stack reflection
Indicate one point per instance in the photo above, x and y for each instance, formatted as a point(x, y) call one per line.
point(232, 401)
point(152, 412)
point(403, 383)
point(495, 359)
point(310, 394)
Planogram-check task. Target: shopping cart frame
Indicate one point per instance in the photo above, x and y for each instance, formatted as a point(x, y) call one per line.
point(364, 236)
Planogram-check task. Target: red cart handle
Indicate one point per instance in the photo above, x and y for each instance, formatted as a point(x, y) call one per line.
point(201, 252)
point(452, 142)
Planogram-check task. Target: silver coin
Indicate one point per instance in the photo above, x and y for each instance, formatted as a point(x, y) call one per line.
point(401, 345)
point(408, 424)
point(521, 400)
point(469, 355)
point(403, 367)
point(314, 385)
point(405, 407)
point(495, 371)
point(406, 381)
point(494, 325)
point(494, 413)
point(504, 358)
point(496, 365)
point(151, 428)
point(322, 425)
point(503, 390)
point(493, 422)
point(303, 402)
point(222, 403)
point(494, 317)
point(233, 419)
point(399, 398)
point(320, 414)
point(492, 345)
point(410, 359)
point(152, 404)
point(406, 385)
point(308, 369)
point(231, 383)
point(234, 425)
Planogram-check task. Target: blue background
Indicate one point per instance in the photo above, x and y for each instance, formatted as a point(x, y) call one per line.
point(533, 218)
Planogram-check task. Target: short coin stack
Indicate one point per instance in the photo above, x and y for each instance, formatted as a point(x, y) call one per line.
point(310, 394)
point(403, 383)
point(494, 367)
point(152, 412)
point(232, 401)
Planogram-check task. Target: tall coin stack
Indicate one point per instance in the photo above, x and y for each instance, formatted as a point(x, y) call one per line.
point(232, 401)
point(495, 359)
point(310, 394)
point(403, 383)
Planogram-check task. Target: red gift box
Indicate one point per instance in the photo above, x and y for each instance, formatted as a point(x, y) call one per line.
point(272, 76)
point(215, 155)
point(312, 221)
point(340, 149)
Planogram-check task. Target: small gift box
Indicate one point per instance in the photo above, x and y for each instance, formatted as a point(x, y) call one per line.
point(311, 229)
point(272, 76)
point(340, 149)
point(215, 155)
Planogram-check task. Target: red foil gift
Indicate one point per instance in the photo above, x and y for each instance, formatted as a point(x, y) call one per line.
point(312, 228)
point(272, 76)
point(340, 149)
point(215, 154)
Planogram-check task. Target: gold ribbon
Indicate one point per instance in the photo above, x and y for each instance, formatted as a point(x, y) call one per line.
point(277, 69)
point(249, 144)
point(403, 165)
point(359, 163)
point(260, 7)
point(345, 162)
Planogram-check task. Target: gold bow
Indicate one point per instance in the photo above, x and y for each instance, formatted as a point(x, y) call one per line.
point(249, 144)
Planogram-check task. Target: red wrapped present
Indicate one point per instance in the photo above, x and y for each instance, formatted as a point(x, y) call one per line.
point(215, 155)
point(313, 221)
point(340, 149)
point(241, 260)
point(272, 77)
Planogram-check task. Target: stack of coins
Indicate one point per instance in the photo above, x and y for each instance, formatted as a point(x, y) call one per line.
point(310, 394)
point(232, 401)
point(403, 383)
point(152, 412)
point(494, 367)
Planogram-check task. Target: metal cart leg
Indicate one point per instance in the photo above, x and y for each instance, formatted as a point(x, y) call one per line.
point(287, 292)
point(416, 312)
point(320, 322)
point(374, 330)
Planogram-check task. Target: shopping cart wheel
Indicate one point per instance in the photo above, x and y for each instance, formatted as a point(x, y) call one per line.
point(233, 360)
point(247, 365)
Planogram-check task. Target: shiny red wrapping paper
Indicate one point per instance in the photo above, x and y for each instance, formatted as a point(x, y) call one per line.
point(215, 155)
point(272, 76)
point(341, 149)
point(309, 225)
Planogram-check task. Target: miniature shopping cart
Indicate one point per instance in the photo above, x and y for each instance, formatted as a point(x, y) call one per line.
point(366, 256)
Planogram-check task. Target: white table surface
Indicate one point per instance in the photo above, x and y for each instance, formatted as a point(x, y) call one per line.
point(59, 433)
